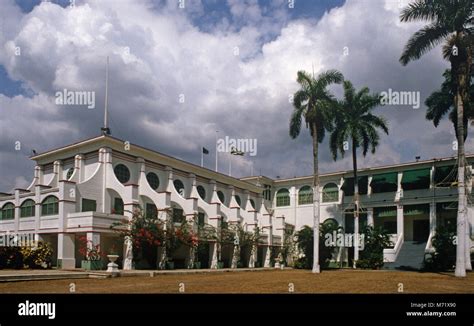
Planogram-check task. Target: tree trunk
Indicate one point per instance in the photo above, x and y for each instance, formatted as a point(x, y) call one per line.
point(355, 238)
point(465, 82)
point(316, 268)
point(461, 231)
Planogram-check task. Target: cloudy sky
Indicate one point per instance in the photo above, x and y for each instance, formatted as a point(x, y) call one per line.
point(233, 63)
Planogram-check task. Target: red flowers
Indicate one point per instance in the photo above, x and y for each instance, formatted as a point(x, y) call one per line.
point(89, 250)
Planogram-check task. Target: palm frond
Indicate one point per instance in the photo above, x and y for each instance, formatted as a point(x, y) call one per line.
point(425, 10)
point(422, 41)
point(295, 122)
point(328, 77)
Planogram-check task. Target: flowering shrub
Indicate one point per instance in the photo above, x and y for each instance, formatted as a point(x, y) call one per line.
point(88, 250)
point(31, 257)
point(39, 256)
point(187, 236)
point(147, 233)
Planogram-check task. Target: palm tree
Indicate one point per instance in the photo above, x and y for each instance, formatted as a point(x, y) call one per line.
point(450, 21)
point(440, 103)
point(313, 102)
point(354, 122)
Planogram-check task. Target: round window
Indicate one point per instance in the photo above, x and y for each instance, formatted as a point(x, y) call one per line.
point(202, 192)
point(122, 173)
point(252, 202)
point(153, 180)
point(179, 186)
point(221, 196)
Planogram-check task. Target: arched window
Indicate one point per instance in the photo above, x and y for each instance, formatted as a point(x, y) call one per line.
point(177, 215)
point(151, 211)
point(305, 195)
point(330, 193)
point(202, 192)
point(50, 206)
point(221, 196)
point(118, 207)
point(27, 208)
point(69, 173)
point(8, 211)
point(153, 180)
point(283, 197)
point(238, 200)
point(179, 186)
point(201, 219)
point(122, 173)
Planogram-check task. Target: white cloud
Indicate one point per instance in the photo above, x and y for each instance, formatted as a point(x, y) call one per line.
point(242, 96)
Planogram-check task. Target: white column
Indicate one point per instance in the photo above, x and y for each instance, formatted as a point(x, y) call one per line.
point(267, 255)
point(79, 167)
point(399, 194)
point(38, 175)
point(235, 256)
point(253, 256)
point(189, 261)
point(93, 239)
point(17, 211)
point(399, 220)
point(66, 254)
point(432, 217)
point(58, 172)
point(370, 216)
point(369, 187)
point(213, 255)
point(127, 249)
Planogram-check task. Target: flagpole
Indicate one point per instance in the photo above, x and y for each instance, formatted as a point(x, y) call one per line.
point(202, 157)
point(230, 164)
point(216, 148)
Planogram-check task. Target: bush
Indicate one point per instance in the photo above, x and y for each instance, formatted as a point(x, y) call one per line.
point(11, 257)
point(39, 257)
point(444, 257)
point(19, 257)
point(375, 240)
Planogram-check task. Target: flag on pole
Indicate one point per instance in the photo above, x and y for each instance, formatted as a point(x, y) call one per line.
point(205, 150)
point(235, 151)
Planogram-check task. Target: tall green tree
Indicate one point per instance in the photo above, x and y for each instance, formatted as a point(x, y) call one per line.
point(451, 22)
point(440, 103)
point(313, 102)
point(355, 126)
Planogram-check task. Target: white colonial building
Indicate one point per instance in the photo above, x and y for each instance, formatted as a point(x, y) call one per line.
point(81, 189)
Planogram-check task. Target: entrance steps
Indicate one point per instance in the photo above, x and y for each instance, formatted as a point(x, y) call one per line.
point(411, 256)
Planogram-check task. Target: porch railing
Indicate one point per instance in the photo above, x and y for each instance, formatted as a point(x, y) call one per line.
point(390, 254)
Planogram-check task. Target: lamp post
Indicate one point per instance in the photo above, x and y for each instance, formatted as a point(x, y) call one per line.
point(216, 148)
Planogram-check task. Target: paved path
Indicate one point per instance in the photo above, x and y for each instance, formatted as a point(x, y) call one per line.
point(54, 274)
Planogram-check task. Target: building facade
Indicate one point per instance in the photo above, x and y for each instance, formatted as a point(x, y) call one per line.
point(82, 189)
